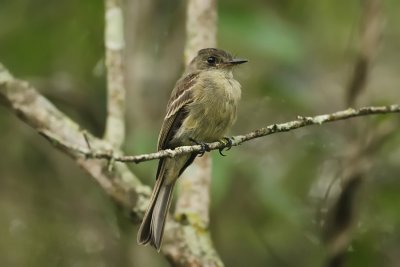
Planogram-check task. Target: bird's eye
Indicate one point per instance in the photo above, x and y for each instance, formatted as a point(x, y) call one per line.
point(211, 60)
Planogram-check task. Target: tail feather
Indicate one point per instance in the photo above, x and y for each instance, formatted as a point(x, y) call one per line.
point(152, 228)
point(144, 233)
point(160, 213)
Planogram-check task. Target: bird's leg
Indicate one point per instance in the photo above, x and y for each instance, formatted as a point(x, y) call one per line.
point(228, 145)
point(204, 147)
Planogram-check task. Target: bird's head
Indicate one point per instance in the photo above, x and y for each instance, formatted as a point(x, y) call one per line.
point(213, 58)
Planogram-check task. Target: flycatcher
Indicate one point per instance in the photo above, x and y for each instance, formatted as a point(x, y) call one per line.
point(201, 109)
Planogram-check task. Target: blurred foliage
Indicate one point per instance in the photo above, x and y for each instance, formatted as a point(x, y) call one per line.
point(265, 194)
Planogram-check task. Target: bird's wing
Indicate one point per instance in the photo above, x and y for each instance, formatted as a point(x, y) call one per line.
point(181, 96)
point(176, 113)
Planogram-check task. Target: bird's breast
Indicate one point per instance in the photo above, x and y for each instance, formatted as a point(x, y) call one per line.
point(214, 108)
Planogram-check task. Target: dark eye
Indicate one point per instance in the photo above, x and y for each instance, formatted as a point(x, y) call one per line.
point(211, 60)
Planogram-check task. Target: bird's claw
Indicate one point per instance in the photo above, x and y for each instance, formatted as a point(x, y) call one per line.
point(228, 145)
point(204, 147)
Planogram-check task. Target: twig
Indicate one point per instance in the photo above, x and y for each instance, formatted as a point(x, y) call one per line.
point(115, 43)
point(239, 139)
point(86, 136)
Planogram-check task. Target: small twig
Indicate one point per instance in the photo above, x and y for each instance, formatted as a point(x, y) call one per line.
point(85, 135)
point(110, 164)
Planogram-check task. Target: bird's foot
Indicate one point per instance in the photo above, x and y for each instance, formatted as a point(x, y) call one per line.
point(204, 147)
point(227, 141)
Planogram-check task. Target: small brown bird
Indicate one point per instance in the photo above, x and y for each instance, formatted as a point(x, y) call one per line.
point(202, 108)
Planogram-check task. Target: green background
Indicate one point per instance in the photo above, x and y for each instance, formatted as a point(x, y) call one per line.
point(266, 193)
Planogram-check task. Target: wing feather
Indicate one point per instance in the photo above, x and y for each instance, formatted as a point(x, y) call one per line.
point(177, 111)
point(181, 96)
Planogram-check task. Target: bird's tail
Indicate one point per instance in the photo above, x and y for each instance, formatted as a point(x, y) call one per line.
point(152, 228)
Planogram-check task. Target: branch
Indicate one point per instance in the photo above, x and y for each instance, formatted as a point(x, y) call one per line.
point(115, 43)
point(239, 139)
point(39, 113)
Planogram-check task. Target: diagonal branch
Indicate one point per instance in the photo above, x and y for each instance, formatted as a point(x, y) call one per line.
point(39, 113)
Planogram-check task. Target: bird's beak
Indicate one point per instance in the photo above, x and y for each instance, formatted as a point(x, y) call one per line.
point(237, 61)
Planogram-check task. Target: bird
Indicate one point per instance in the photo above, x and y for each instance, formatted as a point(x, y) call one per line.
point(201, 109)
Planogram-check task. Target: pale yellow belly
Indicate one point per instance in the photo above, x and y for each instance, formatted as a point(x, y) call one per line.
point(213, 110)
point(208, 121)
